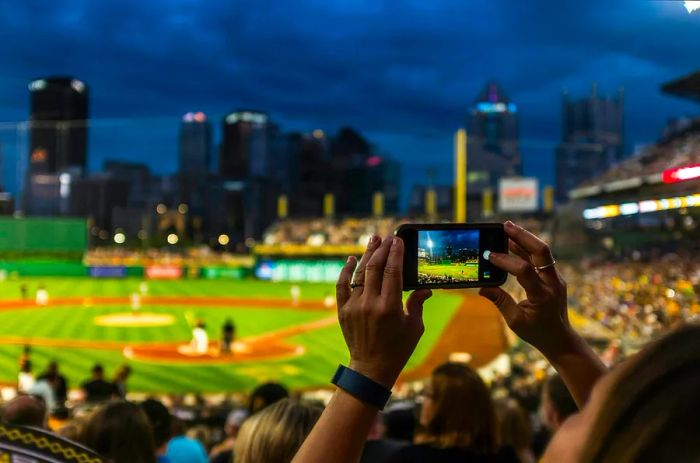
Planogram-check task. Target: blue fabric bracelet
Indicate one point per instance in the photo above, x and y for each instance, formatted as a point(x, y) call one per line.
point(361, 387)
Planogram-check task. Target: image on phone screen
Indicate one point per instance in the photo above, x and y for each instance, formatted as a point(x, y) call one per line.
point(448, 256)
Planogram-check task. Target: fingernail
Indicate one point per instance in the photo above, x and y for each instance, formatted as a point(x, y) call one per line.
point(509, 224)
point(487, 254)
point(349, 259)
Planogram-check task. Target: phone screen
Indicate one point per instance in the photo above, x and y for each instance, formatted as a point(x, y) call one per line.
point(448, 256)
point(451, 255)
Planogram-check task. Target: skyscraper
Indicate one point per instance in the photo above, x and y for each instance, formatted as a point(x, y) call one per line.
point(244, 150)
point(195, 144)
point(592, 139)
point(58, 124)
point(493, 150)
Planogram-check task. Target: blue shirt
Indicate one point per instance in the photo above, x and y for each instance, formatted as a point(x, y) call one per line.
point(182, 449)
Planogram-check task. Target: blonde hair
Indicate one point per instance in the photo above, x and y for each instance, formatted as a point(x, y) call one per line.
point(274, 434)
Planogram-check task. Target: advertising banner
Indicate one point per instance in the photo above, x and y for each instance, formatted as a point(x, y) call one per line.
point(231, 273)
point(518, 194)
point(108, 272)
point(164, 272)
point(321, 271)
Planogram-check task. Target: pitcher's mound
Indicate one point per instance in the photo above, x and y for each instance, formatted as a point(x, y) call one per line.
point(137, 319)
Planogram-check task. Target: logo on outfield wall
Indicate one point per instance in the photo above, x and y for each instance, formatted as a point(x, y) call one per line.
point(164, 272)
point(518, 194)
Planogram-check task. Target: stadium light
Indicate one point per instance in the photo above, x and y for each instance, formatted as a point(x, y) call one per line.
point(183, 208)
point(161, 208)
point(223, 239)
point(173, 239)
point(681, 174)
point(119, 238)
point(692, 5)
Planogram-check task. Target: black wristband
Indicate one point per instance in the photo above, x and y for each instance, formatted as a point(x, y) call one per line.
point(361, 387)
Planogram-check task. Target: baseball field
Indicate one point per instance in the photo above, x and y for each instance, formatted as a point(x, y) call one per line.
point(459, 272)
point(86, 321)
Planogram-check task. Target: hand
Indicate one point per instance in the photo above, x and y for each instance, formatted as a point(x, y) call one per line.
point(380, 335)
point(542, 319)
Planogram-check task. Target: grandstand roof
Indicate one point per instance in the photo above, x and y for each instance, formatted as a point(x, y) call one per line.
point(685, 87)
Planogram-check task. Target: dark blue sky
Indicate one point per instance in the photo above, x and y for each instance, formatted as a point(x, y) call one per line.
point(402, 72)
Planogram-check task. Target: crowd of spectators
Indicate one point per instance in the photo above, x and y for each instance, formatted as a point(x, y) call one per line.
point(192, 256)
point(510, 417)
point(636, 299)
point(328, 231)
point(681, 148)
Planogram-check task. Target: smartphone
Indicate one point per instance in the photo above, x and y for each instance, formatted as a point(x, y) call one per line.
point(451, 255)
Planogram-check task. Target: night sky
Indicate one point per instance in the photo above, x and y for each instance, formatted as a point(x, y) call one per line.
point(401, 72)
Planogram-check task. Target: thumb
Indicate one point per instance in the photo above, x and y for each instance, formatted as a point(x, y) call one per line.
point(414, 303)
point(502, 300)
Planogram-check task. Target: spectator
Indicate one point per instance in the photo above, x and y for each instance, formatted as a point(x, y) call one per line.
point(515, 429)
point(275, 434)
point(58, 382)
point(120, 379)
point(161, 424)
point(97, 389)
point(182, 449)
point(266, 395)
point(379, 448)
point(381, 335)
point(557, 403)
point(221, 453)
point(121, 432)
point(400, 422)
point(24, 410)
point(457, 421)
point(646, 409)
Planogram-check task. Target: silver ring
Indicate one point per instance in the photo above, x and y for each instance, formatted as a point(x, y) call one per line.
point(356, 285)
point(542, 267)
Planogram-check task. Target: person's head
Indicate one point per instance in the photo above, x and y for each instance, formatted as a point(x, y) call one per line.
point(123, 373)
point(24, 410)
point(160, 421)
point(266, 395)
point(275, 434)
point(234, 421)
point(121, 432)
point(400, 422)
point(646, 409)
point(514, 424)
point(52, 368)
point(458, 410)
point(98, 372)
point(557, 403)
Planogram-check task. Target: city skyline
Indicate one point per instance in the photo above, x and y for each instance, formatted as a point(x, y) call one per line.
point(406, 83)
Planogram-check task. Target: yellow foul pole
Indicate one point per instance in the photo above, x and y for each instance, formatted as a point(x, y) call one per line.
point(460, 200)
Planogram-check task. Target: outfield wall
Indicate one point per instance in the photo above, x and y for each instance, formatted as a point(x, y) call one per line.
point(43, 235)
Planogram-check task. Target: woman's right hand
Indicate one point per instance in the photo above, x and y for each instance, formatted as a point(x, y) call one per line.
point(542, 319)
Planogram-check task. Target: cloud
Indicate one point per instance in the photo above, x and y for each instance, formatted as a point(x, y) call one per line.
point(404, 70)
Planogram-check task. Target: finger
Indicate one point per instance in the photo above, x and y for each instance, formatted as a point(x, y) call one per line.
point(540, 253)
point(392, 283)
point(342, 287)
point(518, 251)
point(502, 300)
point(538, 249)
point(359, 276)
point(414, 303)
point(374, 272)
point(522, 270)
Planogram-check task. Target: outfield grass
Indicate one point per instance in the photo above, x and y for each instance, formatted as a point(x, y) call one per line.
point(464, 272)
point(325, 347)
